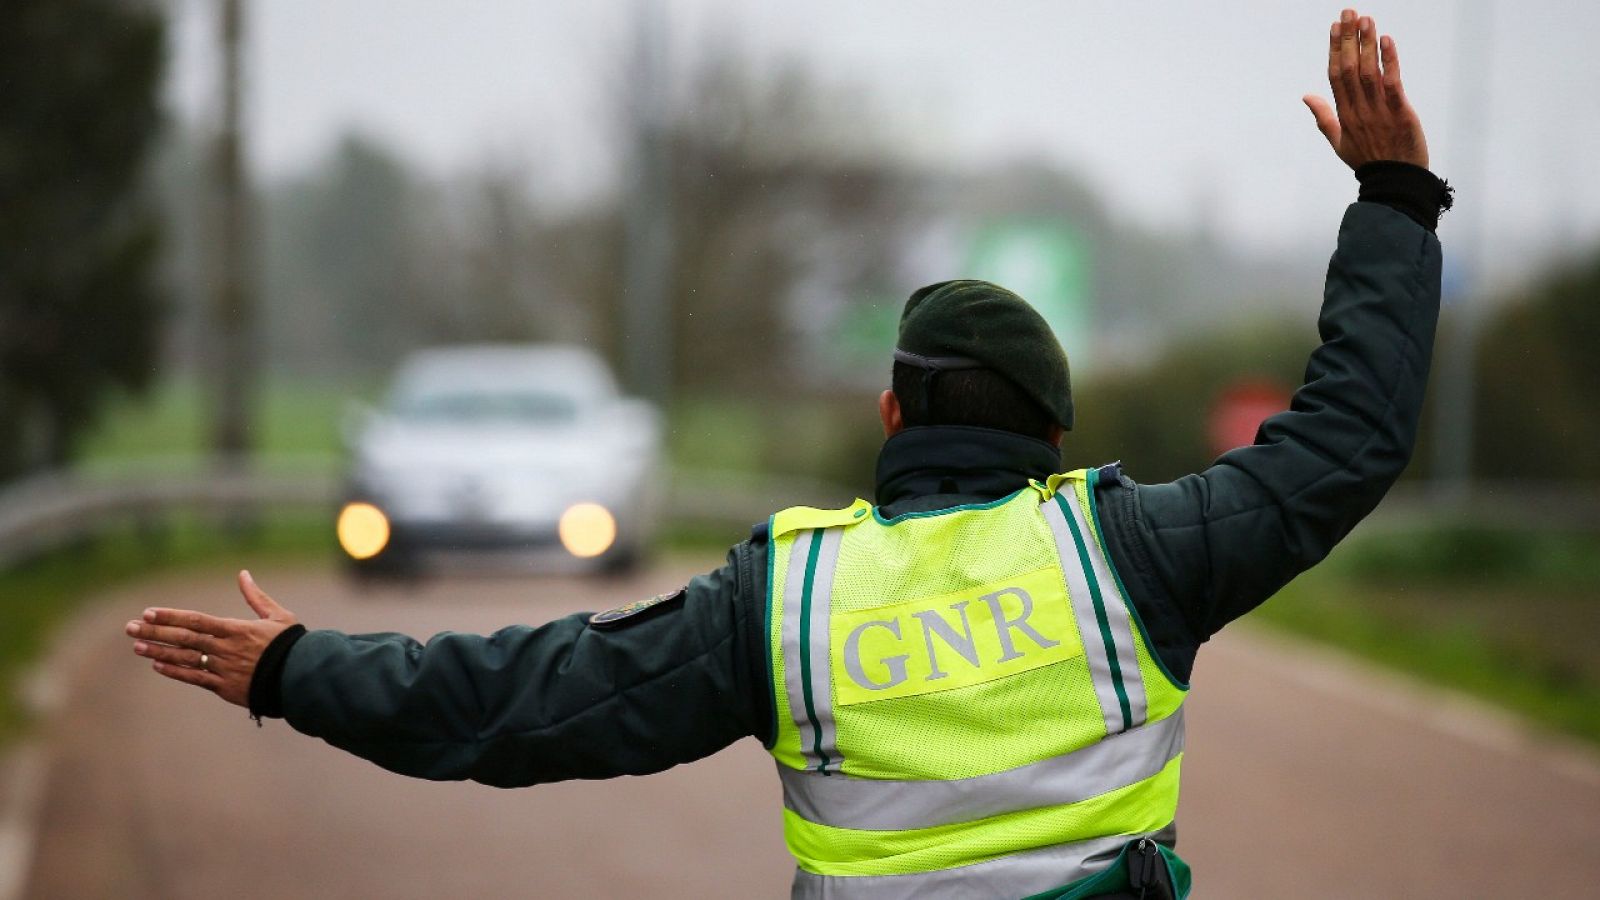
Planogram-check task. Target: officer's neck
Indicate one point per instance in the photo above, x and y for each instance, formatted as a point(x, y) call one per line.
point(947, 465)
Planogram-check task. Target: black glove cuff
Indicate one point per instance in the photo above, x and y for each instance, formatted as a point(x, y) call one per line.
point(266, 683)
point(1413, 190)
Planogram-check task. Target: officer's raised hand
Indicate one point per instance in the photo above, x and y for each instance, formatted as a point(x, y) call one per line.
point(1375, 122)
point(214, 653)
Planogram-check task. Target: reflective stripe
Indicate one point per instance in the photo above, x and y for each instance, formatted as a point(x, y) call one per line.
point(1117, 616)
point(1082, 599)
point(850, 852)
point(807, 602)
point(882, 805)
point(824, 754)
point(1016, 875)
point(793, 592)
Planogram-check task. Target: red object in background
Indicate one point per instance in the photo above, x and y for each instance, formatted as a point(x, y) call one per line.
point(1239, 409)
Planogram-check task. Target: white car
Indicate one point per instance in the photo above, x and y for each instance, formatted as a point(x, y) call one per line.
point(526, 452)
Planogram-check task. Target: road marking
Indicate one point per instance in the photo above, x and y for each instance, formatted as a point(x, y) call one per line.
point(24, 773)
point(24, 776)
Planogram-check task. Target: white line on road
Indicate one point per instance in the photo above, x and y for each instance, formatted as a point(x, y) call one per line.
point(25, 772)
point(24, 776)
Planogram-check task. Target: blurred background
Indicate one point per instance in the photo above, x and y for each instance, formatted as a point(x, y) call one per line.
point(226, 226)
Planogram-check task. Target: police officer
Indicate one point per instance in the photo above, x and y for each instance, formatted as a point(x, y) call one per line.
point(974, 686)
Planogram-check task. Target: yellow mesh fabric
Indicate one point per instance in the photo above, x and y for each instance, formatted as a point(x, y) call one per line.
point(1136, 809)
point(975, 730)
point(988, 727)
point(1161, 696)
point(935, 554)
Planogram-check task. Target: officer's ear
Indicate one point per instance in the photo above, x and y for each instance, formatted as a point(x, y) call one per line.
point(1055, 435)
point(889, 412)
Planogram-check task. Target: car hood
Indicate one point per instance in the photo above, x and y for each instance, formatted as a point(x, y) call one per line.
point(434, 448)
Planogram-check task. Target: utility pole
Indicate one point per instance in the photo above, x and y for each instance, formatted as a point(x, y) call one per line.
point(647, 286)
point(233, 352)
point(1456, 393)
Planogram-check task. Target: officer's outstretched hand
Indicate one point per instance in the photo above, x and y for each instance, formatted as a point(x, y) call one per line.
point(217, 654)
point(1375, 121)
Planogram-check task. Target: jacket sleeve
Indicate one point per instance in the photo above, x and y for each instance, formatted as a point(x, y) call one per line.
point(527, 705)
point(1215, 545)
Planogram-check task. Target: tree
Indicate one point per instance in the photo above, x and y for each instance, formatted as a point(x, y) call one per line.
point(367, 259)
point(1538, 377)
point(767, 171)
point(339, 261)
point(80, 306)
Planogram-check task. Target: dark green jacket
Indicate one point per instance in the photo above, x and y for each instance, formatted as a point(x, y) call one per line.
point(568, 700)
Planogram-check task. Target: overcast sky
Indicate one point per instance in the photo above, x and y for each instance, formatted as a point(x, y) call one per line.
point(1166, 111)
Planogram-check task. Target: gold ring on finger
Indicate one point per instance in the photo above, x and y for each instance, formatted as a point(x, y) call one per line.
point(205, 662)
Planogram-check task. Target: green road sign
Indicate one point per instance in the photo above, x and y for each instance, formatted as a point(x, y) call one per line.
point(1047, 262)
point(1044, 260)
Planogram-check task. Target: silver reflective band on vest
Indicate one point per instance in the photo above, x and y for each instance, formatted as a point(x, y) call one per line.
point(1017, 875)
point(1074, 541)
point(1117, 614)
point(818, 738)
point(881, 805)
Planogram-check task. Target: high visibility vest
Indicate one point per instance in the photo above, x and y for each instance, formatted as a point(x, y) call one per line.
point(966, 703)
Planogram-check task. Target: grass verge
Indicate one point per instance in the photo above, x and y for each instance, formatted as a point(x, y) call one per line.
point(1510, 617)
point(296, 417)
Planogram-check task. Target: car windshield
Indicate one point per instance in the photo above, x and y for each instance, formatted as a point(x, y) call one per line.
point(522, 407)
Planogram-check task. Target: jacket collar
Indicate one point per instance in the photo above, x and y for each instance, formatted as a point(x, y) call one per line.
point(947, 465)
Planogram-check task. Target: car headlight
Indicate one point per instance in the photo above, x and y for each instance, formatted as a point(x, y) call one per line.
point(363, 530)
point(587, 529)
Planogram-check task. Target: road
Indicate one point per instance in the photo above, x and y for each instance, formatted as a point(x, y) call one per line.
point(1306, 777)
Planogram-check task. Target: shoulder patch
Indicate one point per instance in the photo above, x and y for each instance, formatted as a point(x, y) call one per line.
point(632, 612)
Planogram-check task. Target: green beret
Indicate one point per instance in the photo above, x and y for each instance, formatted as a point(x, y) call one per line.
point(971, 324)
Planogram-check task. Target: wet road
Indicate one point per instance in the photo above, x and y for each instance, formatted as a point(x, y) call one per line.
point(1306, 777)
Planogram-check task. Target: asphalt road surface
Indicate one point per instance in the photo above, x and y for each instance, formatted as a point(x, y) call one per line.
point(1306, 778)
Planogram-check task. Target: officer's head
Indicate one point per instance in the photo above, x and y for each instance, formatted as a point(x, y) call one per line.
point(973, 353)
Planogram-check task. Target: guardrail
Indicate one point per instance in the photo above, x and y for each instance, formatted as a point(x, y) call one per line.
point(59, 508)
